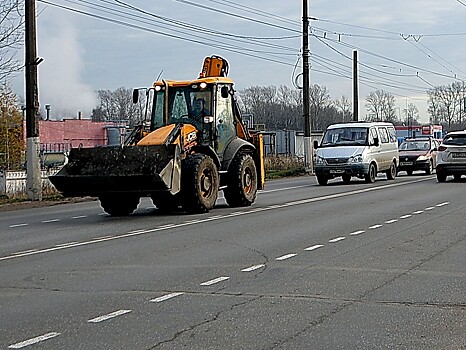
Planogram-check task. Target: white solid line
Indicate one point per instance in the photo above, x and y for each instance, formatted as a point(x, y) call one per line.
point(51, 220)
point(429, 208)
point(65, 244)
point(317, 246)
point(79, 217)
point(287, 256)
point(18, 225)
point(405, 216)
point(252, 268)
point(442, 204)
point(166, 226)
point(214, 281)
point(336, 239)
point(375, 226)
point(26, 251)
point(108, 316)
point(166, 297)
point(391, 221)
point(357, 232)
point(418, 212)
point(34, 340)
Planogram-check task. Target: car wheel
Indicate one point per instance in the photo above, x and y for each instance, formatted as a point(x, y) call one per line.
point(346, 179)
point(430, 169)
point(457, 177)
point(409, 172)
point(441, 176)
point(371, 174)
point(391, 173)
point(322, 180)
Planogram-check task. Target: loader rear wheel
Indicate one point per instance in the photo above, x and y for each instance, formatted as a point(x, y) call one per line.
point(119, 205)
point(241, 187)
point(199, 183)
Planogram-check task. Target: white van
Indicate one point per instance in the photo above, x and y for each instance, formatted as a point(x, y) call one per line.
point(360, 149)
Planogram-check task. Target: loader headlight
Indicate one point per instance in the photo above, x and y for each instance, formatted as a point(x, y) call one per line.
point(158, 88)
point(203, 85)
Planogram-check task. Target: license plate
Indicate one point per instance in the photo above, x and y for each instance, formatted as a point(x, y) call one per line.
point(458, 155)
point(337, 171)
point(406, 163)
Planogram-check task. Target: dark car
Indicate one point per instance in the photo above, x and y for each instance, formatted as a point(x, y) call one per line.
point(418, 154)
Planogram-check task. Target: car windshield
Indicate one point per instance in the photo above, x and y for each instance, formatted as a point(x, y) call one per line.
point(459, 140)
point(419, 145)
point(345, 136)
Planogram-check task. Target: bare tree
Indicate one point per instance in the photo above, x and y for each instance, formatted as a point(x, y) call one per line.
point(411, 114)
point(380, 105)
point(447, 105)
point(344, 106)
point(11, 37)
point(319, 99)
point(116, 105)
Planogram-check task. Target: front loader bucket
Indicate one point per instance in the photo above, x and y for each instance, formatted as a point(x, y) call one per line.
point(142, 170)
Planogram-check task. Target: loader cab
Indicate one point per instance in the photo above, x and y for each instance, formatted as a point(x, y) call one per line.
point(208, 106)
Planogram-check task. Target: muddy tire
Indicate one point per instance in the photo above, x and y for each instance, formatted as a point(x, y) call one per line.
point(166, 202)
point(199, 184)
point(119, 205)
point(242, 180)
point(371, 174)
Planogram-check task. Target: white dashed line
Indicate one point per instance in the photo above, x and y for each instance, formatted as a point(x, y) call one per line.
point(253, 268)
point(418, 212)
point(214, 281)
point(65, 244)
point(313, 247)
point(18, 225)
point(391, 221)
point(338, 239)
point(108, 316)
point(166, 297)
point(167, 226)
point(405, 216)
point(287, 256)
point(355, 233)
point(26, 251)
point(373, 227)
point(442, 204)
point(79, 217)
point(51, 220)
point(34, 340)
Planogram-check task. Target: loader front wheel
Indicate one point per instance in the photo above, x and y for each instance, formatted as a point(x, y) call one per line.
point(119, 205)
point(241, 187)
point(199, 183)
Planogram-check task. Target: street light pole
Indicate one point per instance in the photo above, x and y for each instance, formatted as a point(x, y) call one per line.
point(308, 159)
point(33, 179)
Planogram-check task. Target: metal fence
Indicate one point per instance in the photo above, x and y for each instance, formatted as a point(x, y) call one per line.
point(14, 182)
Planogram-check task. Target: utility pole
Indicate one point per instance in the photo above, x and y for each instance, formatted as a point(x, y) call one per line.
point(355, 87)
point(33, 179)
point(308, 158)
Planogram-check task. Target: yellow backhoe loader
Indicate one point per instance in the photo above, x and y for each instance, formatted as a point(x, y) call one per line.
point(191, 144)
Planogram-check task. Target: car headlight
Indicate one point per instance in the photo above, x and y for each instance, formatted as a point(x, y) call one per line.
point(320, 160)
point(421, 158)
point(356, 159)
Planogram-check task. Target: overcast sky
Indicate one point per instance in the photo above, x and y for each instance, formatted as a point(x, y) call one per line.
point(404, 47)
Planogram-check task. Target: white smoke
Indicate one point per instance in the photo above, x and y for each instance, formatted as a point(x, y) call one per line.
point(60, 81)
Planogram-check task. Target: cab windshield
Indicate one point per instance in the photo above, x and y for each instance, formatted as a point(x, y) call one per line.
point(352, 136)
point(185, 105)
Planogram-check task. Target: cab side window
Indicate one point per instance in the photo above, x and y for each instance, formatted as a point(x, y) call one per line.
point(392, 134)
point(372, 135)
point(383, 135)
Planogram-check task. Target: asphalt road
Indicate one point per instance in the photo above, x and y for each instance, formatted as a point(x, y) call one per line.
point(358, 266)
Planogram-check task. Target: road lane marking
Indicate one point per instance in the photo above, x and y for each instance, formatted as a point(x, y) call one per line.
point(429, 208)
point(34, 340)
point(355, 233)
point(373, 227)
point(166, 297)
point(18, 225)
point(134, 233)
point(405, 216)
point(314, 247)
point(108, 316)
point(51, 220)
point(418, 212)
point(285, 189)
point(65, 244)
point(442, 204)
point(338, 239)
point(391, 221)
point(285, 257)
point(214, 281)
point(253, 268)
point(79, 217)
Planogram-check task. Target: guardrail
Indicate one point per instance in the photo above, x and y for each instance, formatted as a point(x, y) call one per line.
point(14, 182)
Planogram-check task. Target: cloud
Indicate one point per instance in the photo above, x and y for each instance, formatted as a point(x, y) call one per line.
point(61, 74)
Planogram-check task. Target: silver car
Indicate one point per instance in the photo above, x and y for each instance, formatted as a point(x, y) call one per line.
point(451, 156)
